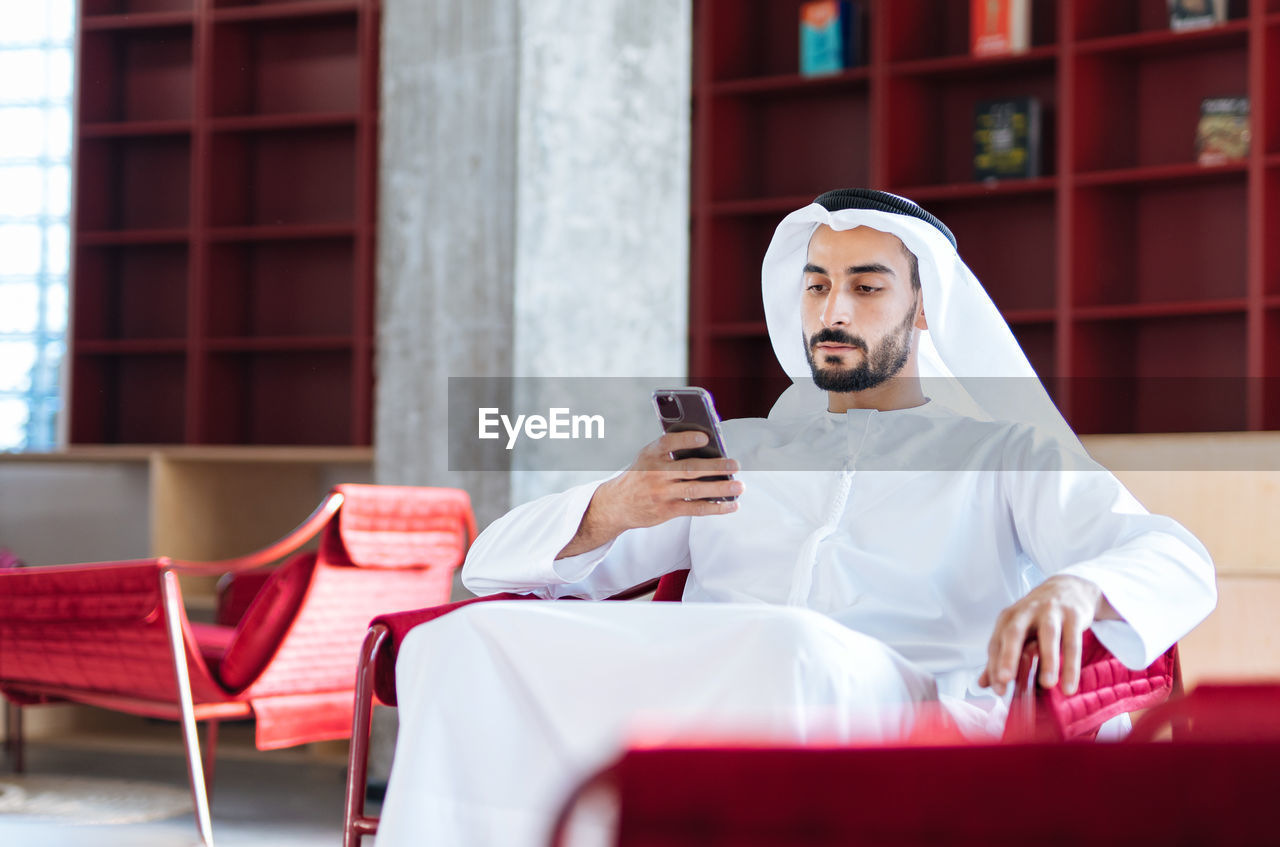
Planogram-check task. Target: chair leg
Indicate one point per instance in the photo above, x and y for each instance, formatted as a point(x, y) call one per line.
point(355, 823)
point(195, 773)
point(210, 755)
point(172, 599)
point(14, 743)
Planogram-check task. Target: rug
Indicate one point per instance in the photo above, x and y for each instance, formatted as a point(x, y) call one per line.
point(87, 800)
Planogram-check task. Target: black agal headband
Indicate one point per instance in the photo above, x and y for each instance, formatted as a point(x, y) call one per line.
point(879, 201)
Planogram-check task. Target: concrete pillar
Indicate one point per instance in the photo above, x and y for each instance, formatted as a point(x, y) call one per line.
point(446, 228)
point(533, 217)
point(602, 222)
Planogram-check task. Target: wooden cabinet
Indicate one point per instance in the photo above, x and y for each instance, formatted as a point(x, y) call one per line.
point(224, 225)
point(107, 503)
point(1143, 286)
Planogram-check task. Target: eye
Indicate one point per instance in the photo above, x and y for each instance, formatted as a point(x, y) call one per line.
point(867, 289)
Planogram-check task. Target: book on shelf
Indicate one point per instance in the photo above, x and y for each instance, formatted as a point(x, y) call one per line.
point(1196, 14)
point(830, 36)
point(999, 27)
point(1006, 139)
point(1222, 136)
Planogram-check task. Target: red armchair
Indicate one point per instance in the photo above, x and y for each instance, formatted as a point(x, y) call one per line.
point(284, 650)
point(1107, 689)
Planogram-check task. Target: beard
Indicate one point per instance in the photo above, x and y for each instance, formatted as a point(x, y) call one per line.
point(878, 365)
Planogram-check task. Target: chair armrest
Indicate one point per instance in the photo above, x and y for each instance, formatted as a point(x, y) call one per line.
point(1107, 688)
point(398, 626)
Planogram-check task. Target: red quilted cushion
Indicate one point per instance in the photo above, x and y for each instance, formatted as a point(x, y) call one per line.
point(266, 621)
point(212, 641)
point(236, 591)
point(1108, 688)
point(396, 526)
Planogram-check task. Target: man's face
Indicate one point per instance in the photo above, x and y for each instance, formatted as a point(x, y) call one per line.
point(858, 308)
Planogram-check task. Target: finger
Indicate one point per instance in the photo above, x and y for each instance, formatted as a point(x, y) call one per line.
point(688, 468)
point(701, 508)
point(687, 440)
point(1013, 634)
point(699, 490)
point(993, 652)
point(1049, 634)
point(993, 665)
point(1072, 635)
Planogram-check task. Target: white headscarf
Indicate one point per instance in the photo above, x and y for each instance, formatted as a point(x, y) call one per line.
point(968, 357)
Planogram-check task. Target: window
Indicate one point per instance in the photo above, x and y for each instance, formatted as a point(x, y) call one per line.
point(36, 58)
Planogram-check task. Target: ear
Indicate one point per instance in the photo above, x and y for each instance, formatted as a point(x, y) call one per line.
point(921, 322)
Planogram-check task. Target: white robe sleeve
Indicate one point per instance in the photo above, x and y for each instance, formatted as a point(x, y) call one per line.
point(517, 552)
point(1084, 522)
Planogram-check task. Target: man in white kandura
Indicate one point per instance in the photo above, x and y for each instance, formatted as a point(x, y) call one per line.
point(912, 511)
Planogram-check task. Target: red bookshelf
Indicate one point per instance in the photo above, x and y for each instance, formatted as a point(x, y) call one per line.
point(224, 222)
point(1142, 286)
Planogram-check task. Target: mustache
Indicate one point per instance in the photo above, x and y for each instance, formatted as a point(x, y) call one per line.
point(831, 335)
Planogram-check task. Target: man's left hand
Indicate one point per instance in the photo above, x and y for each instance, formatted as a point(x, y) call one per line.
point(1056, 614)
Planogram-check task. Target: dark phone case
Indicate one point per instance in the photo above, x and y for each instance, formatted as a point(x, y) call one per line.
point(697, 413)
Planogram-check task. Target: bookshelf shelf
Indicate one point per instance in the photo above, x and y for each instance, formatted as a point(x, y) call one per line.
point(129, 129)
point(270, 123)
point(1162, 310)
point(1139, 45)
point(993, 189)
point(790, 83)
point(1123, 269)
point(1017, 317)
point(223, 231)
point(760, 206)
point(282, 344)
point(297, 232)
point(739, 329)
point(1157, 175)
point(283, 11)
point(106, 238)
point(135, 347)
point(136, 21)
point(975, 67)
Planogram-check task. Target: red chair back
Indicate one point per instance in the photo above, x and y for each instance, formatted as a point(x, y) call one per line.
point(415, 538)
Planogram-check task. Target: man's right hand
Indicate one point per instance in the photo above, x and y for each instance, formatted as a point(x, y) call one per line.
point(655, 489)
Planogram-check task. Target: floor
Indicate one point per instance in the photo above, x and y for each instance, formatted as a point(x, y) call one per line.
point(275, 799)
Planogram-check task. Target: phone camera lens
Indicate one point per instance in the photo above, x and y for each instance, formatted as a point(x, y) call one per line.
point(668, 407)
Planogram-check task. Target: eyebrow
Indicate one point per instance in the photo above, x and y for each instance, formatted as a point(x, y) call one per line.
point(852, 270)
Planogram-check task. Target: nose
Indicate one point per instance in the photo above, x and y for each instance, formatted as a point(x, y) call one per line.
point(838, 310)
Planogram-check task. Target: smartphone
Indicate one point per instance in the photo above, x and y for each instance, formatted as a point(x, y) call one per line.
point(684, 409)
